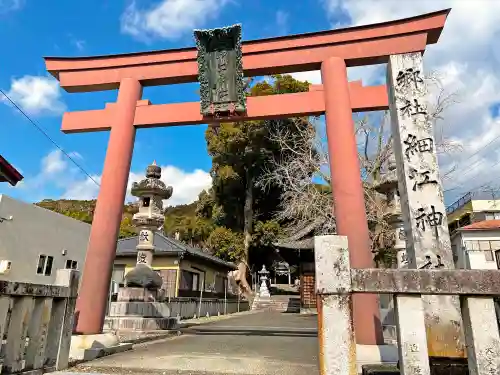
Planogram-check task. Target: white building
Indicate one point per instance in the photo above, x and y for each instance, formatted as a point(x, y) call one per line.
point(36, 242)
point(477, 245)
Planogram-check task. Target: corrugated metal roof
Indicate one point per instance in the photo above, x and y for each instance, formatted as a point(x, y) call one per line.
point(168, 246)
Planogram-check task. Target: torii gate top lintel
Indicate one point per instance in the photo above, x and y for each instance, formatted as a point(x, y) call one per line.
point(359, 45)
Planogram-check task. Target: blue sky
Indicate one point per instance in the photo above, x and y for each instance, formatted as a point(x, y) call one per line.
point(95, 27)
point(31, 29)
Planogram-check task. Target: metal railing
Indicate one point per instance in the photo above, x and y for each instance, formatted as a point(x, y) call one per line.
point(466, 198)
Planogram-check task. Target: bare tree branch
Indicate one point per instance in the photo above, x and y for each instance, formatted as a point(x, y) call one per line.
point(303, 202)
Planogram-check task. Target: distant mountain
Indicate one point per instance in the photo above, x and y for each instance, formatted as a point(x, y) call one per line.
point(83, 210)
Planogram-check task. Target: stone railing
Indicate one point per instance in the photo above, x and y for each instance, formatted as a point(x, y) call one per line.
point(183, 308)
point(130, 315)
point(187, 308)
point(336, 282)
point(36, 323)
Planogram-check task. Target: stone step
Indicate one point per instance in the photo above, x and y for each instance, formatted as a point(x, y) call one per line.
point(273, 305)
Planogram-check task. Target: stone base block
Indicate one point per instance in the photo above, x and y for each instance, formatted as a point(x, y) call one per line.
point(93, 353)
point(376, 355)
point(137, 294)
point(448, 366)
point(382, 369)
point(139, 324)
point(139, 309)
point(103, 340)
point(309, 310)
point(89, 347)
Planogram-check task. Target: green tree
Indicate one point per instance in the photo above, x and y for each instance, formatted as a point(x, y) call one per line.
point(126, 228)
point(228, 245)
point(241, 153)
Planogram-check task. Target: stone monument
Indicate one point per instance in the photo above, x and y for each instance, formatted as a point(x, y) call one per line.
point(137, 306)
point(422, 203)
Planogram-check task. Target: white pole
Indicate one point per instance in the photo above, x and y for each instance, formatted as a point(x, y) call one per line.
point(225, 297)
point(201, 296)
point(111, 288)
point(239, 300)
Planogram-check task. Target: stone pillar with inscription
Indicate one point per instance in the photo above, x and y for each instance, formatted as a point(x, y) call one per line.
point(151, 192)
point(427, 238)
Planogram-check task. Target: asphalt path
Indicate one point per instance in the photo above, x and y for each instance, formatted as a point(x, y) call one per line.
point(264, 343)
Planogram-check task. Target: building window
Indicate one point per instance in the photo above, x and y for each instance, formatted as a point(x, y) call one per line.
point(220, 284)
point(196, 281)
point(71, 264)
point(488, 247)
point(189, 281)
point(118, 275)
point(492, 215)
point(45, 265)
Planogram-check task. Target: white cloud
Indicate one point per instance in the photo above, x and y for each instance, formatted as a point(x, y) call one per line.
point(79, 44)
point(58, 173)
point(7, 6)
point(370, 75)
point(313, 76)
point(186, 185)
point(282, 22)
point(169, 19)
point(36, 95)
point(467, 56)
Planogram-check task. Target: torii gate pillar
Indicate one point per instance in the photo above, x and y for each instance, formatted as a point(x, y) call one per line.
point(101, 249)
point(348, 194)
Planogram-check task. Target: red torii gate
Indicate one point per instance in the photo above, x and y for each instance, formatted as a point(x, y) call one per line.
point(330, 51)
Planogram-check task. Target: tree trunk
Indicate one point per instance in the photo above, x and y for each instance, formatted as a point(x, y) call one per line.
point(245, 288)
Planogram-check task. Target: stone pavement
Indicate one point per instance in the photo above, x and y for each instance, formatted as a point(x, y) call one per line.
point(265, 343)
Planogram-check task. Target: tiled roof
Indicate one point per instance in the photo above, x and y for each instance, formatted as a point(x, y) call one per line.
point(483, 225)
point(8, 173)
point(168, 246)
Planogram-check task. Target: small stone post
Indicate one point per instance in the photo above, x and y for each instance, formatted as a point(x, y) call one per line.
point(337, 345)
point(427, 237)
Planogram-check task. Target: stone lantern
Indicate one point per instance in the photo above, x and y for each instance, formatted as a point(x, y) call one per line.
point(138, 306)
point(389, 187)
point(151, 192)
point(264, 291)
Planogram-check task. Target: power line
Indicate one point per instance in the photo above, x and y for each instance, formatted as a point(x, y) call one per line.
point(48, 137)
point(468, 168)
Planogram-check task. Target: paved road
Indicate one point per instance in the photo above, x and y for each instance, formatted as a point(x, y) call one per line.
point(265, 343)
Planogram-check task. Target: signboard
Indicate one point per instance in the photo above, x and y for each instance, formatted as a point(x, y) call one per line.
point(220, 71)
